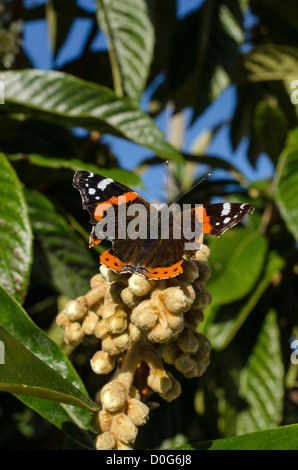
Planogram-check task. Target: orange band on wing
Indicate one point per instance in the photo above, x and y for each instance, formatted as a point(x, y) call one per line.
point(207, 227)
point(111, 261)
point(165, 273)
point(113, 201)
point(93, 242)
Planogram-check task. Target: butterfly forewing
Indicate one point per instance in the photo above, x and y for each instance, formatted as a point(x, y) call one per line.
point(220, 217)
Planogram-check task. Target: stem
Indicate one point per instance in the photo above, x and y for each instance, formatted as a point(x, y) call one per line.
point(175, 134)
point(130, 363)
point(134, 355)
point(117, 79)
point(81, 63)
point(95, 295)
point(267, 217)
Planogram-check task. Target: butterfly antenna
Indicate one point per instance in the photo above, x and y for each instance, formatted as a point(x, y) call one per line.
point(192, 188)
point(168, 191)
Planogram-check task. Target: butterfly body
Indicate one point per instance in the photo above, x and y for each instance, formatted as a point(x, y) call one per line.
point(159, 256)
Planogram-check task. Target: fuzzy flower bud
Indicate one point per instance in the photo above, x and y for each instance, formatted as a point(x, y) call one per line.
point(96, 281)
point(105, 441)
point(108, 310)
point(121, 342)
point(144, 315)
point(76, 309)
point(115, 291)
point(102, 363)
point(171, 352)
point(203, 296)
point(116, 323)
point(9, 42)
point(113, 398)
point(203, 352)
point(159, 381)
point(204, 271)
point(137, 411)
point(174, 392)
point(116, 344)
point(184, 363)
point(193, 318)
point(124, 429)
point(203, 253)
point(89, 323)
point(188, 341)
point(73, 334)
point(177, 299)
point(175, 322)
point(121, 446)
point(129, 298)
point(190, 272)
point(100, 330)
point(108, 274)
point(139, 285)
point(134, 333)
point(101, 421)
point(62, 319)
point(160, 334)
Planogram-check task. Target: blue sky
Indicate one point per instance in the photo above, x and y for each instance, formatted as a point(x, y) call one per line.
point(129, 155)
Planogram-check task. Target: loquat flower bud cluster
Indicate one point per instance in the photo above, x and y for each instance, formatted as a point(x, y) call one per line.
point(10, 36)
point(134, 318)
point(121, 415)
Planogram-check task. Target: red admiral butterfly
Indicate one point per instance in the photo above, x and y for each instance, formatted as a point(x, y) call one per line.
point(155, 258)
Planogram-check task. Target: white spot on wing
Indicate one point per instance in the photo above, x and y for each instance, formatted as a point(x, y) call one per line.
point(104, 183)
point(226, 209)
point(91, 191)
point(226, 220)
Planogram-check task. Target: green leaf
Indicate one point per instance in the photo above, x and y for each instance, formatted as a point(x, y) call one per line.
point(74, 421)
point(24, 374)
point(210, 160)
point(280, 25)
point(16, 235)
point(246, 120)
point(70, 101)
point(281, 438)
point(118, 174)
point(271, 127)
point(24, 135)
point(201, 57)
point(254, 392)
point(267, 62)
point(97, 68)
point(287, 183)
point(236, 260)
point(60, 16)
point(220, 327)
point(131, 41)
point(63, 261)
